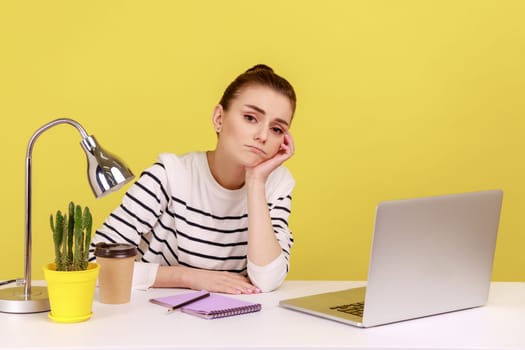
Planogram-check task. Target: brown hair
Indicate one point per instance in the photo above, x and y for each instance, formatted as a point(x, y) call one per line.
point(259, 74)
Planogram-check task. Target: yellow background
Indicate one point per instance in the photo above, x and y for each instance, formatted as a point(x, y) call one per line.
point(396, 99)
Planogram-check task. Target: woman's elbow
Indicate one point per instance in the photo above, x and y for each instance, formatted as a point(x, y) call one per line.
point(269, 277)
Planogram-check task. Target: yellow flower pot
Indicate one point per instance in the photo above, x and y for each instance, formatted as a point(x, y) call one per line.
point(71, 293)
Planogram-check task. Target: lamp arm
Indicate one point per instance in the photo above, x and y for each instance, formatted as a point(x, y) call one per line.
point(28, 191)
point(50, 125)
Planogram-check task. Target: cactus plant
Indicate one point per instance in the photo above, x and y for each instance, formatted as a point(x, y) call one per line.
point(71, 237)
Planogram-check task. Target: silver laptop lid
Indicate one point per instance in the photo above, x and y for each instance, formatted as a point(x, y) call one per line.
point(431, 255)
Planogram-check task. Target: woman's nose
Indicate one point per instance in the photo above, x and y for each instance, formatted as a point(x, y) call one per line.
point(262, 134)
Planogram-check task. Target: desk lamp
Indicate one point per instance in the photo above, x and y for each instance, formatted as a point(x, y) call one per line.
point(106, 174)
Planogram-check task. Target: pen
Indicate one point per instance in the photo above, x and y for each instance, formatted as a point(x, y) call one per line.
point(198, 297)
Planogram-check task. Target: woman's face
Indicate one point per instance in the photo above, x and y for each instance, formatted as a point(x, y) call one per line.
point(252, 129)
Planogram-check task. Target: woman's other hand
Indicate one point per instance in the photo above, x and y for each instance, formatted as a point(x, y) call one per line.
point(200, 279)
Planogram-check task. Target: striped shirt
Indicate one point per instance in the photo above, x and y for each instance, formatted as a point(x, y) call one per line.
point(177, 214)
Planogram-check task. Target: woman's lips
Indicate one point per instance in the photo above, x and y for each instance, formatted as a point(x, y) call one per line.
point(256, 150)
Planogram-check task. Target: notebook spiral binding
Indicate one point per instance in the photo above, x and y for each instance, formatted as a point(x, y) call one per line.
point(236, 311)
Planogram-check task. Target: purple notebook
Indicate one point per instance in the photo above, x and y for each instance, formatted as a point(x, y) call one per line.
point(218, 305)
point(173, 302)
point(210, 306)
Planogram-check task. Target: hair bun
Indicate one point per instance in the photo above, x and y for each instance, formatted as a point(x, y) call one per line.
point(260, 67)
point(258, 75)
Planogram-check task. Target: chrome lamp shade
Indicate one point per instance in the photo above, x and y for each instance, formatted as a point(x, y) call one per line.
point(106, 173)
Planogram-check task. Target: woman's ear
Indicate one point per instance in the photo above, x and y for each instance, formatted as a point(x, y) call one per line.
point(218, 112)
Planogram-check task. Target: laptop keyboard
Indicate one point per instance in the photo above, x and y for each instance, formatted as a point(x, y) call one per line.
point(353, 309)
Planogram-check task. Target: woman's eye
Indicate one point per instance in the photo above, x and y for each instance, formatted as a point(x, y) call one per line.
point(278, 131)
point(250, 118)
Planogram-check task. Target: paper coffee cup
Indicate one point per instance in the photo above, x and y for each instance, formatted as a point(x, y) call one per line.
point(116, 262)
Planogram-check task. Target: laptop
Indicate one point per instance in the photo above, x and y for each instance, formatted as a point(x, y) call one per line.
point(429, 256)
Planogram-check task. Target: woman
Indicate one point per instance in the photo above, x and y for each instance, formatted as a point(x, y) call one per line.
point(218, 220)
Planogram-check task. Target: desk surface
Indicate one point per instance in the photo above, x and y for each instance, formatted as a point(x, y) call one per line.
point(142, 325)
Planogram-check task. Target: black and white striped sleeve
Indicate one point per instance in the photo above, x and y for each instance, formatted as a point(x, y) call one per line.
point(139, 210)
point(271, 276)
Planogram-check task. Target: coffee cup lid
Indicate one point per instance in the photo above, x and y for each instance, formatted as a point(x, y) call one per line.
point(115, 250)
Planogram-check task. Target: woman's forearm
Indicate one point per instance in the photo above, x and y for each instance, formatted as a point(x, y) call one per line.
point(263, 247)
point(171, 277)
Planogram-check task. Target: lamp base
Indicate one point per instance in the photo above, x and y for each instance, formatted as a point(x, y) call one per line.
point(13, 300)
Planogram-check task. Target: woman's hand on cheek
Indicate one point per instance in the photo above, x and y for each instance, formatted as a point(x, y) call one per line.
point(263, 169)
point(286, 150)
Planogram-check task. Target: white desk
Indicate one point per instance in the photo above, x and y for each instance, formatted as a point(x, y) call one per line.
point(142, 325)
